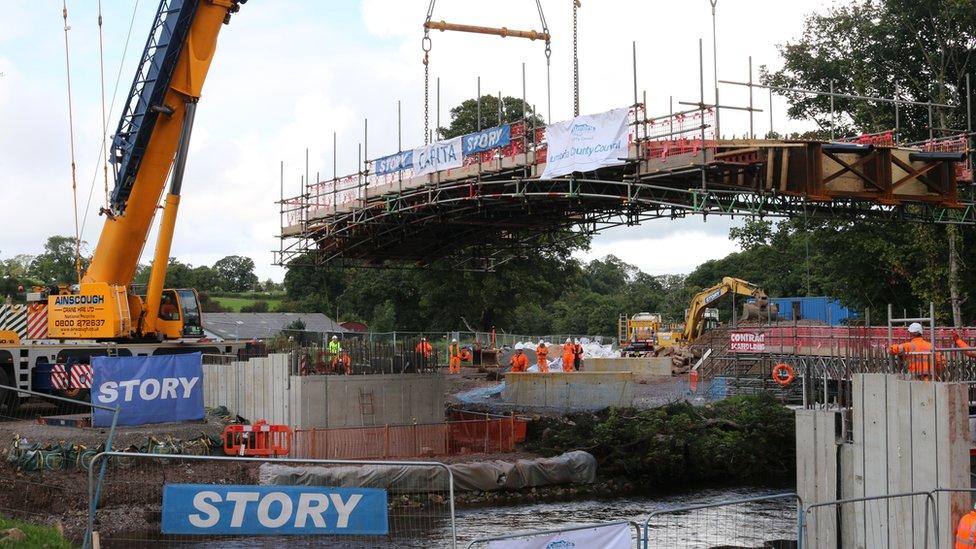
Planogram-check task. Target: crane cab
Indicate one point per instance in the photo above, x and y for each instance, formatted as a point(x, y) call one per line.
point(179, 314)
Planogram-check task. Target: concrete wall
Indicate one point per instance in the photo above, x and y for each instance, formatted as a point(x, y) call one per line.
point(582, 390)
point(261, 388)
point(357, 401)
point(908, 436)
point(255, 389)
point(652, 368)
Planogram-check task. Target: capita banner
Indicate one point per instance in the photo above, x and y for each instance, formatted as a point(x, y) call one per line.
point(209, 509)
point(148, 389)
point(613, 536)
point(442, 155)
point(747, 342)
point(586, 143)
point(485, 140)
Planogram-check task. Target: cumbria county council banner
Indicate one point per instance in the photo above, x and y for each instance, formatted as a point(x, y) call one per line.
point(586, 143)
point(611, 536)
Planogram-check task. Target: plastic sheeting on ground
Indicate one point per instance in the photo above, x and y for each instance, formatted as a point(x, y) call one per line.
point(591, 349)
point(575, 467)
point(481, 394)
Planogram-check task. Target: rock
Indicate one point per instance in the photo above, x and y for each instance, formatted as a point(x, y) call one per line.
point(12, 535)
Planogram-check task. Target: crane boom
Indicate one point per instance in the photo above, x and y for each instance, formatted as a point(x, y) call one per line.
point(154, 129)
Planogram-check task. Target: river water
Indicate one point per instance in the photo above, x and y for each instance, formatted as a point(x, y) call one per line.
point(741, 525)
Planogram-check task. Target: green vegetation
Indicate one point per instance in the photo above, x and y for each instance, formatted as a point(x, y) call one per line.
point(739, 439)
point(34, 536)
point(246, 304)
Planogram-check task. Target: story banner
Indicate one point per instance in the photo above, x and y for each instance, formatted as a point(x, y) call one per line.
point(442, 155)
point(586, 143)
point(148, 389)
point(485, 140)
point(219, 509)
point(613, 536)
point(393, 163)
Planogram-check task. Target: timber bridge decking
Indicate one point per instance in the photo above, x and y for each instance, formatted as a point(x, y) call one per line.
point(496, 206)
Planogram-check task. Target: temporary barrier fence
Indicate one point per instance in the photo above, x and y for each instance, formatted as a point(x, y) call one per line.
point(543, 536)
point(489, 435)
point(877, 521)
point(149, 499)
point(39, 475)
point(724, 523)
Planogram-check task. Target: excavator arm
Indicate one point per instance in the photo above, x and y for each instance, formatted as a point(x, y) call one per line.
point(711, 296)
point(150, 143)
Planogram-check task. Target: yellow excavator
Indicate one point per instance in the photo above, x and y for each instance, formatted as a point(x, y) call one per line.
point(151, 141)
point(709, 297)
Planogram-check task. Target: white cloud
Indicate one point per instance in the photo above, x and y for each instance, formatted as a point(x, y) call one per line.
point(677, 253)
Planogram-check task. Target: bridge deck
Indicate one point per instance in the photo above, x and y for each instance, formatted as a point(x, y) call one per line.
point(496, 206)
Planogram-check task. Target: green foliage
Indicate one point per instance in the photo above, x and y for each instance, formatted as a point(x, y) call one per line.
point(236, 273)
point(743, 438)
point(464, 117)
point(259, 306)
point(534, 295)
point(35, 535)
point(57, 264)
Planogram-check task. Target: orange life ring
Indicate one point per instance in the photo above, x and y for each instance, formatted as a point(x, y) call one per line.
point(783, 374)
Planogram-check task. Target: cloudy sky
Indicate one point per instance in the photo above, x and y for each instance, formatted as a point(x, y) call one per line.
point(289, 73)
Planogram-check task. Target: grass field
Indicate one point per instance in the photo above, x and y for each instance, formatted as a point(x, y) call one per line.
point(35, 536)
point(234, 304)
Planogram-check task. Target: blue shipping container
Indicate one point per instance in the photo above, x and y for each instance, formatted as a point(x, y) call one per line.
point(827, 310)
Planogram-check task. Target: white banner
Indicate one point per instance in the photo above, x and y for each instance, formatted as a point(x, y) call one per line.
point(442, 155)
point(615, 536)
point(586, 143)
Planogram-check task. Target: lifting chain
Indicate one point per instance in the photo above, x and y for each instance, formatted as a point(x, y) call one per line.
point(425, 45)
point(576, 109)
point(545, 29)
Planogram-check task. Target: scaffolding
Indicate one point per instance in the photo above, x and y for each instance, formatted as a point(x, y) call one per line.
point(496, 207)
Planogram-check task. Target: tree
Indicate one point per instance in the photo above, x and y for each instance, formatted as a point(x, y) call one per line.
point(236, 273)
point(464, 117)
point(917, 50)
point(57, 264)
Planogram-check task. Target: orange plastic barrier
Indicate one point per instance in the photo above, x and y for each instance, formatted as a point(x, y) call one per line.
point(261, 439)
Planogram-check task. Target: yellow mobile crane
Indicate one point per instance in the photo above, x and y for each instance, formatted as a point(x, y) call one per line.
point(694, 324)
point(151, 141)
point(67, 325)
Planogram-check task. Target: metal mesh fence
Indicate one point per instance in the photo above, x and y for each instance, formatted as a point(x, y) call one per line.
point(129, 511)
point(48, 443)
point(887, 520)
point(751, 522)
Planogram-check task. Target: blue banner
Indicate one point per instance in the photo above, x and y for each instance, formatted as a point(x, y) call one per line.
point(484, 140)
point(393, 163)
point(207, 509)
point(148, 389)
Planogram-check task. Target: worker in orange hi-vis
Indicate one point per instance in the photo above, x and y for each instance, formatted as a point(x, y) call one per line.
point(966, 532)
point(424, 348)
point(962, 344)
point(917, 352)
point(454, 351)
point(568, 355)
point(519, 362)
point(542, 357)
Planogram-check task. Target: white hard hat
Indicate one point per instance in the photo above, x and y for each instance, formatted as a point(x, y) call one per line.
point(540, 342)
point(915, 328)
point(454, 340)
point(568, 340)
point(335, 337)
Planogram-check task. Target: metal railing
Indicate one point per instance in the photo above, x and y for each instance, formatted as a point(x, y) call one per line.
point(721, 523)
point(878, 538)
